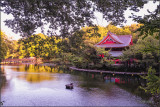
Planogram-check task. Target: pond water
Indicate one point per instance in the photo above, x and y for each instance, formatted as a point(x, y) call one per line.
point(30, 85)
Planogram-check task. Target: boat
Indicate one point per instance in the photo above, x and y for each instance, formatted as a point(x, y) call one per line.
point(69, 86)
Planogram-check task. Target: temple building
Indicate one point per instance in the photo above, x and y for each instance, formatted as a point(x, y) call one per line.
point(115, 43)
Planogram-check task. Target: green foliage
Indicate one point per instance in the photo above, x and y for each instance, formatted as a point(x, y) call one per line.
point(79, 45)
point(13, 51)
point(133, 29)
point(79, 49)
point(5, 45)
point(56, 60)
point(79, 62)
point(94, 34)
point(36, 46)
point(153, 86)
point(153, 82)
point(146, 51)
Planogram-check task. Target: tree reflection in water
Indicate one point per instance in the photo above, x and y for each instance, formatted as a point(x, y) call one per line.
point(89, 81)
point(2, 78)
point(35, 73)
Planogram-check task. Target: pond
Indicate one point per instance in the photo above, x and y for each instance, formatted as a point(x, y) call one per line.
point(31, 85)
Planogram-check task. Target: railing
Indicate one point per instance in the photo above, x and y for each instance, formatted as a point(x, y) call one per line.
point(24, 60)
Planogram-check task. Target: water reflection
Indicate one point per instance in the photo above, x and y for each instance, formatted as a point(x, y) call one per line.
point(44, 85)
point(35, 73)
point(2, 79)
point(129, 83)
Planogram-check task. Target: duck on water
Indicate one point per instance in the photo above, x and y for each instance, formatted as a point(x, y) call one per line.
point(69, 86)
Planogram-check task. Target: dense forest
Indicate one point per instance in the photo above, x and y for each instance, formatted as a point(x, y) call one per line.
point(79, 50)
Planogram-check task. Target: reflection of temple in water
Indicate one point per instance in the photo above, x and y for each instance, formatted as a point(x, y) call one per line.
point(118, 80)
point(129, 83)
point(122, 79)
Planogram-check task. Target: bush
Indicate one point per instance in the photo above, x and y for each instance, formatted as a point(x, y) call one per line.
point(153, 85)
point(56, 60)
point(79, 62)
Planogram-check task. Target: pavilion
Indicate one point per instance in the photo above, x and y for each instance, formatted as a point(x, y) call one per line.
point(115, 43)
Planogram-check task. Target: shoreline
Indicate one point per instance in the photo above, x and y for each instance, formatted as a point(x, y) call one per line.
point(86, 70)
point(108, 72)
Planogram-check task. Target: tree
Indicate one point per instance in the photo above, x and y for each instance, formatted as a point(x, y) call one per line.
point(145, 51)
point(38, 46)
point(151, 26)
point(5, 45)
point(13, 50)
point(66, 15)
point(151, 22)
point(153, 86)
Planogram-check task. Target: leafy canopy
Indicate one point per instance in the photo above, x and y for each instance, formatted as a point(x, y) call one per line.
point(65, 15)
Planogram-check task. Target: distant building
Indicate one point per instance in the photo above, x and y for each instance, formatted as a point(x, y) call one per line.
point(115, 43)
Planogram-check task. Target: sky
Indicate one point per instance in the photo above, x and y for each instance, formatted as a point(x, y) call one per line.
point(99, 21)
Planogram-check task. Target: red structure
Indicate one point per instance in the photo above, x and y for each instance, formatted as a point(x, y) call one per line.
point(115, 43)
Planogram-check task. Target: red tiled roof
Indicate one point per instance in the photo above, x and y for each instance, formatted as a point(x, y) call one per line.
point(121, 41)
